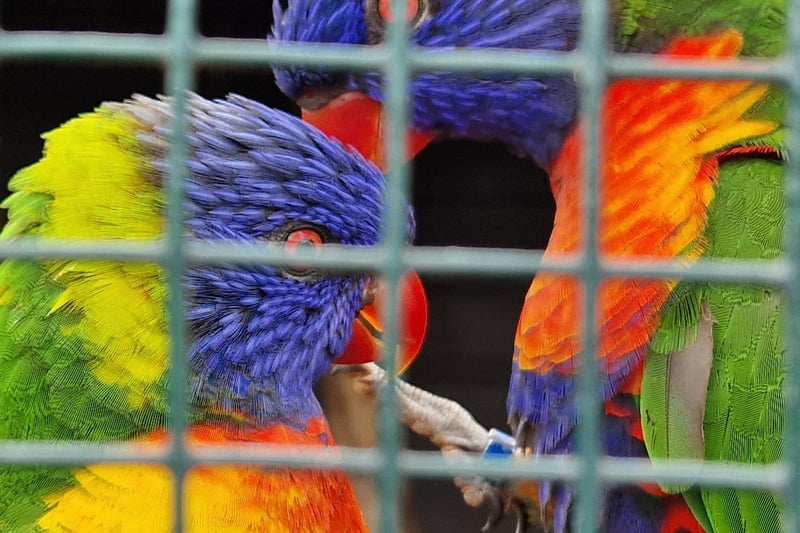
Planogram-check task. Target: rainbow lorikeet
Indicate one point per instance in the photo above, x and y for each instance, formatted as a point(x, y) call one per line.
point(84, 342)
point(650, 333)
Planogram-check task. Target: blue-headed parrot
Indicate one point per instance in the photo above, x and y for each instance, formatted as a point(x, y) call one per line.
point(84, 342)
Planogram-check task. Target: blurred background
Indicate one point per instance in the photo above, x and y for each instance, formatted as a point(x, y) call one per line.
point(465, 194)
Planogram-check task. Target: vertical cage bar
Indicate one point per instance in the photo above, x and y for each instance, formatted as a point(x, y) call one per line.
point(792, 290)
point(394, 217)
point(180, 27)
point(593, 50)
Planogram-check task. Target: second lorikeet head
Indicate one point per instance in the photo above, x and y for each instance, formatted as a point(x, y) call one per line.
point(258, 175)
point(530, 113)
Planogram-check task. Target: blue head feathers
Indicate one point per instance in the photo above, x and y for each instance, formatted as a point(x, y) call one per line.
point(482, 106)
point(261, 336)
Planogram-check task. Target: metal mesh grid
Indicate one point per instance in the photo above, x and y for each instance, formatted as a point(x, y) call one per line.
point(180, 49)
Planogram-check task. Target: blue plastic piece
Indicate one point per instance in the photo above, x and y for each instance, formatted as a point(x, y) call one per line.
point(500, 444)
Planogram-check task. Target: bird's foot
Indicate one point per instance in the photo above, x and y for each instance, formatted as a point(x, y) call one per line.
point(452, 429)
point(497, 497)
point(446, 423)
point(524, 436)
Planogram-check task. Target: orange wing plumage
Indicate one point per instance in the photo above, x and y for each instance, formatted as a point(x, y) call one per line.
point(660, 139)
point(661, 144)
point(218, 498)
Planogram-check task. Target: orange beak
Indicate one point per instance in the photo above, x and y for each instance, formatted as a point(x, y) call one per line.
point(357, 120)
point(366, 342)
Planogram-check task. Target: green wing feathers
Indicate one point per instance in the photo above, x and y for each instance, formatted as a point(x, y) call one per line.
point(743, 419)
point(744, 406)
point(82, 342)
point(647, 25)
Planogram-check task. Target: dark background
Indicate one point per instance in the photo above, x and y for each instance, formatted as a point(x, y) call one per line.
point(464, 193)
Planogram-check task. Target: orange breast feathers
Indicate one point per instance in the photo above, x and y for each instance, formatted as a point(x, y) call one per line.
point(659, 148)
point(224, 498)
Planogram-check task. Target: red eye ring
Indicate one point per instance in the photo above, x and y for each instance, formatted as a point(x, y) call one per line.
point(385, 10)
point(302, 238)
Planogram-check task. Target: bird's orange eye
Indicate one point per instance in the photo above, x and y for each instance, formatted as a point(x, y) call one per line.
point(385, 10)
point(303, 239)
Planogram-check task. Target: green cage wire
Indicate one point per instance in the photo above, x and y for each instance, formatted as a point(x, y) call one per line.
point(180, 49)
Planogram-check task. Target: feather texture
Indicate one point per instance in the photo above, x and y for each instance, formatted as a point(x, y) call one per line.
point(690, 169)
point(83, 343)
point(654, 204)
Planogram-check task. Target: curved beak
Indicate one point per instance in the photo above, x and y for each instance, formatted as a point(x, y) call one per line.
point(357, 120)
point(366, 343)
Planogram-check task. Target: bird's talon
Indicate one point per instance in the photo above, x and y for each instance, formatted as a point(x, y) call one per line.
point(494, 501)
point(524, 436)
point(522, 515)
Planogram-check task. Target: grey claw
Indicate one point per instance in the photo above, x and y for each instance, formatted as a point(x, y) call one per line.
point(496, 509)
point(499, 502)
point(524, 435)
point(522, 515)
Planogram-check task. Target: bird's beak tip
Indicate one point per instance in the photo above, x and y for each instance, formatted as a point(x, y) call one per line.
point(367, 340)
point(356, 120)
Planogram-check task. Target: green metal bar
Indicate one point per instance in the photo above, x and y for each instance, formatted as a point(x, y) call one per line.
point(446, 260)
point(592, 82)
point(84, 46)
point(476, 60)
point(792, 291)
point(410, 463)
point(181, 20)
point(629, 65)
point(254, 53)
point(88, 46)
point(395, 218)
point(609, 470)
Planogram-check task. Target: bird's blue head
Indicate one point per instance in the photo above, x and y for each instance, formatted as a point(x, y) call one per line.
point(261, 336)
point(480, 106)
